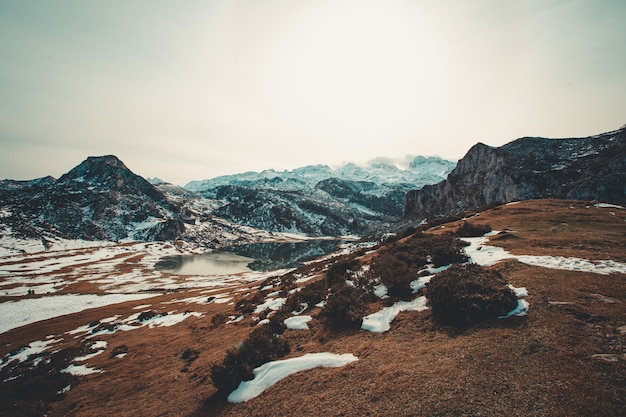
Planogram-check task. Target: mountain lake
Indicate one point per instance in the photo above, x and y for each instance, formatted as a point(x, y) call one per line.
point(267, 256)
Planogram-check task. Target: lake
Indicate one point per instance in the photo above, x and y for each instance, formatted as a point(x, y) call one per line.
point(245, 258)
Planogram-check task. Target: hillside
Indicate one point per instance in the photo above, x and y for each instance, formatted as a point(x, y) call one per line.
point(582, 169)
point(565, 357)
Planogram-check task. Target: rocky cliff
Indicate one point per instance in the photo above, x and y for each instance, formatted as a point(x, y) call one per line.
point(592, 168)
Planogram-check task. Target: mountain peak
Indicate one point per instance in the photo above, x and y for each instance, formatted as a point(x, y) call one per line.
point(109, 173)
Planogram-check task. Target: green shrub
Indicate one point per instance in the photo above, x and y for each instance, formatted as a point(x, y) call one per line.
point(472, 229)
point(337, 272)
point(310, 295)
point(398, 264)
point(261, 346)
point(249, 303)
point(394, 274)
point(345, 307)
point(219, 319)
point(466, 294)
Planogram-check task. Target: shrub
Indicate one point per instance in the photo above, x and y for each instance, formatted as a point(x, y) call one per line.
point(261, 346)
point(345, 307)
point(309, 295)
point(219, 319)
point(336, 274)
point(466, 294)
point(446, 250)
point(248, 304)
point(472, 229)
point(398, 263)
point(394, 274)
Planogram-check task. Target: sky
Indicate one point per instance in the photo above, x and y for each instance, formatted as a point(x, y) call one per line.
point(194, 89)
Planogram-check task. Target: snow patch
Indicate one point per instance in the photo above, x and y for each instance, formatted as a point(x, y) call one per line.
point(380, 321)
point(270, 304)
point(298, 322)
point(486, 255)
point(33, 348)
point(81, 370)
point(607, 205)
point(270, 373)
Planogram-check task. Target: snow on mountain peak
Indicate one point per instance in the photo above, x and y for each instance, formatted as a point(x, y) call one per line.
point(421, 170)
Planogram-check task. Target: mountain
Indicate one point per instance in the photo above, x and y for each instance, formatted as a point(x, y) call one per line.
point(320, 201)
point(592, 168)
point(101, 199)
point(421, 170)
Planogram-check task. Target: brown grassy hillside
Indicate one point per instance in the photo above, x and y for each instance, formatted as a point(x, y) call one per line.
point(567, 357)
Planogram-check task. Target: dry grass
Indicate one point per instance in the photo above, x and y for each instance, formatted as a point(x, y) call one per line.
point(539, 365)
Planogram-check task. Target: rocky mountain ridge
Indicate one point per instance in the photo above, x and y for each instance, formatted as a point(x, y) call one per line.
point(421, 170)
point(318, 200)
point(592, 168)
point(101, 199)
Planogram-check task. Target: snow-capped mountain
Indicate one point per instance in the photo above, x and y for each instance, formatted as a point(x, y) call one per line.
point(318, 200)
point(422, 170)
point(101, 199)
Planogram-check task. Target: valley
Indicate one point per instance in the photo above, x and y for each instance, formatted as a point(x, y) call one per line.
point(565, 356)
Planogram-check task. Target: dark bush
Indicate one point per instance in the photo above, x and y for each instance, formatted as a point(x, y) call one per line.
point(336, 274)
point(218, 319)
point(398, 264)
point(277, 321)
point(249, 303)
point(446, 250)
point(466, 294)
point(311, 294)
point(261, 346)
point(146, 315)
point(472, 229)
point(394, 274)
point(345, 307)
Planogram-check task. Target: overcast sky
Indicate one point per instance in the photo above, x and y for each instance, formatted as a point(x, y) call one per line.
point(185, 90)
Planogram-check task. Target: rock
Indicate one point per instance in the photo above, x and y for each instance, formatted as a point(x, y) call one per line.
point(146, 315)
point(591, 168)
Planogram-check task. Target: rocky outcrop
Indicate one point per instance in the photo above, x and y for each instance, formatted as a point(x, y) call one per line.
point(591, 168)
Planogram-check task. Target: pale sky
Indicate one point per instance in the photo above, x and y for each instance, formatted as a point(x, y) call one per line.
point(187, 90)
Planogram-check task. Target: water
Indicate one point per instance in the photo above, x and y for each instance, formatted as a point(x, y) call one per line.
point(218, 263)
point(246, 258)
